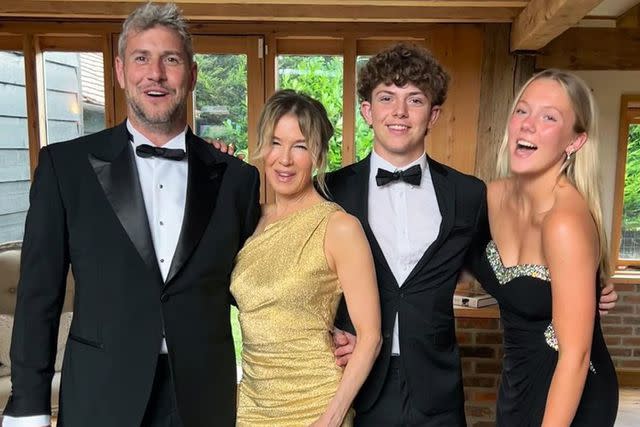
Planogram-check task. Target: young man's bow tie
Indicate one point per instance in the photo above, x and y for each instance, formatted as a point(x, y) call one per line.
point(412, 176)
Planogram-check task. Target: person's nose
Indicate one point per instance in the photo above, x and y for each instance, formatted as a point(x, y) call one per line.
point(528, 124)
point(156, 70)
point(400, 109)
point(285, 158)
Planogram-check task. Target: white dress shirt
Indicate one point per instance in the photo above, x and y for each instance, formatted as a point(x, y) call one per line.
point(164, 189)
point(405, 219)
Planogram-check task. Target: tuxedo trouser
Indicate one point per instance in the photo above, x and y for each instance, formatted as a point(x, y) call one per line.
point(393, 407)
point(162, 410)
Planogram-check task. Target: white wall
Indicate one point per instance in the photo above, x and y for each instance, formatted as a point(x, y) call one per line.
point(607, 88)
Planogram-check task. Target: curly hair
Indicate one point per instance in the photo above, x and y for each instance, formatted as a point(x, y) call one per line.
point(401, 64)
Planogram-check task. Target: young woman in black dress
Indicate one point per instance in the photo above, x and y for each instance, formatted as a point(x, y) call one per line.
point(547, 259)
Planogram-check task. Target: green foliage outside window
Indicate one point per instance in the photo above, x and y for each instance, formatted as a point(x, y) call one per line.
point(221, 98)
point(631, 211)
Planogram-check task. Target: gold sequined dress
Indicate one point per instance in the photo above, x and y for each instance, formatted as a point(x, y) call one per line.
point(287, 297)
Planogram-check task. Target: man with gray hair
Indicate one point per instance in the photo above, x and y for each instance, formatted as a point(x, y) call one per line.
point(150, 218)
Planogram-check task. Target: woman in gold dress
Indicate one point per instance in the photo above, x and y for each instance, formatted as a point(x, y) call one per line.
point(289, 278)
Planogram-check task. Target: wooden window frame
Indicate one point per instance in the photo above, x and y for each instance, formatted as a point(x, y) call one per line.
point(252, 47)
point(627, 117)
point(33, 45)
point(458, 47)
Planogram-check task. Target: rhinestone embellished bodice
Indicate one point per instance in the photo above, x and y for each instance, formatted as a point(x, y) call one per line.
point(531, 345)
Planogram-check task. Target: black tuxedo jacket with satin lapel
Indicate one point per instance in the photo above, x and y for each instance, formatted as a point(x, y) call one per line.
point(430, 356)
point(87, 209)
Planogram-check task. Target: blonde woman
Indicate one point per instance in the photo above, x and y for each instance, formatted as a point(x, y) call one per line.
point(547, 259)
point(289, 278)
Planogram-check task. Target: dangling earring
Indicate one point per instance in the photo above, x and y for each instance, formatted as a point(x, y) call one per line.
point(569, 153)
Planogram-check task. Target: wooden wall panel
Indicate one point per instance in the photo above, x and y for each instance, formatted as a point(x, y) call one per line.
point(453, 139)
point(502, 76)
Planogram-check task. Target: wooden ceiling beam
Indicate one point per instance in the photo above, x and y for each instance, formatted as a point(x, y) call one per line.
point(593, 49)
point(543, 20)
point(629, 19)
point(282, 10)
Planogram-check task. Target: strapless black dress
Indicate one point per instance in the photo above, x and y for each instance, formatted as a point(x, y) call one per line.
point(530, 346)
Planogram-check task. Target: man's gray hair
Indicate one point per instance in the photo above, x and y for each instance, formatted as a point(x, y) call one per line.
point(151, 15)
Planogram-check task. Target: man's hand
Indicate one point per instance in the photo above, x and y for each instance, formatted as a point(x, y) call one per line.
point(344, 343)
point(608, 299)
point(224, 147)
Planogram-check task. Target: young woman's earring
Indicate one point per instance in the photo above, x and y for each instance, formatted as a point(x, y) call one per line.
point(569, 153)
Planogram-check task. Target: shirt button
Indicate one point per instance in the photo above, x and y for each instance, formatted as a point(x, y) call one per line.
point(161, 259)
point(161, 186)
point(161, 222)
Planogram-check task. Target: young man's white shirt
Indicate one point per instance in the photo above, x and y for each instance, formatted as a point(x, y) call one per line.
point(405, 219)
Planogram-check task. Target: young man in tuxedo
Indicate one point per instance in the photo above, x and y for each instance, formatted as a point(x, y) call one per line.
point(420, 217)
point(150, 218)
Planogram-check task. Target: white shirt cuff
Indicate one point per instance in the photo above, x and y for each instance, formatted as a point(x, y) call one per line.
point(30, 421)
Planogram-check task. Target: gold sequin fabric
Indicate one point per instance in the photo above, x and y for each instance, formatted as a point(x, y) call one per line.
point(507, 274)
point(287, 297)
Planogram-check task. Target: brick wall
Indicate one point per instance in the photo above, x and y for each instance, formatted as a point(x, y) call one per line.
point(621, 328)
point(480, 339)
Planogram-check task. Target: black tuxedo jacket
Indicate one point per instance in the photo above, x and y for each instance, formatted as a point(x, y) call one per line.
point(87, 210)
point(430, 356)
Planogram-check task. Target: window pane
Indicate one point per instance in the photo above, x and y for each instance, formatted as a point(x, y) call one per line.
point(220, 99)
point(321, 78)
point(74, 92)
point(630, 236)
point(364, 135)
point(14, 147)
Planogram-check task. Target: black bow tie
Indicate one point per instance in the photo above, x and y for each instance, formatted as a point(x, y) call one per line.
point(145, 150)
point(412, 176)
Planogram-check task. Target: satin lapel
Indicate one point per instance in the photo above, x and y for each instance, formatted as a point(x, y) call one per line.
point(446, 197)
point(203, 184)
point(360, 194)
point(118, 175)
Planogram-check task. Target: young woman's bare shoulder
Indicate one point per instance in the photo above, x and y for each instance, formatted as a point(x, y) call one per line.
point(568, 217)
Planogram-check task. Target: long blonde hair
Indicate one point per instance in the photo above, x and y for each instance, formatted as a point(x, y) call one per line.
point(582, 168)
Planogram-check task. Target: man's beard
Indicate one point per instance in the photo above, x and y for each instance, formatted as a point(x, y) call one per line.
point(162, 121)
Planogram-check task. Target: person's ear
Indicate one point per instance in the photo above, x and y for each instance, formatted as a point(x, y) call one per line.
point(577, 143)
point(365, 111)
point(194, 75)
point(120, 71)
point(433, 118)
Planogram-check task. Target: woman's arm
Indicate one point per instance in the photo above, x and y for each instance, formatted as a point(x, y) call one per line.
point(570, 245)
point(349, 255)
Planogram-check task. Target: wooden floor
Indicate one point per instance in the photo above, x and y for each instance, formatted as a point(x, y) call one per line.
point(628, 410)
